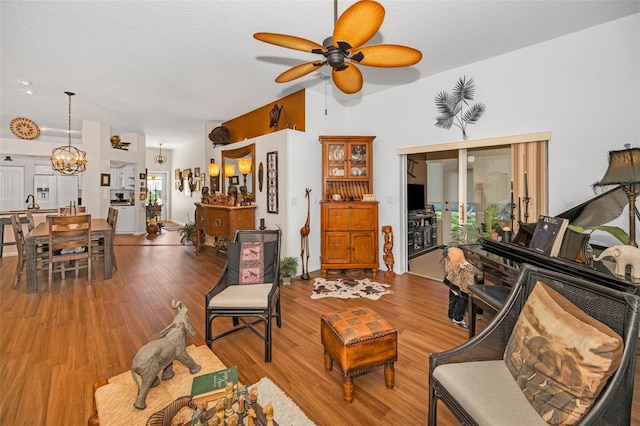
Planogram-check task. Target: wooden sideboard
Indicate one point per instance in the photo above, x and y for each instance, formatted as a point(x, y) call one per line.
point(349, 235)
point(221, 222)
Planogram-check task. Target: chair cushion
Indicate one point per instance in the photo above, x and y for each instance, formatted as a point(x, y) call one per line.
point(242, 296)
point(250, 262)
point(488, 393)
point(559, 356)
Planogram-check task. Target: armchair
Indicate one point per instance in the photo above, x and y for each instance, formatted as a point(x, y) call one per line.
point(248, 298)
point(473, 379)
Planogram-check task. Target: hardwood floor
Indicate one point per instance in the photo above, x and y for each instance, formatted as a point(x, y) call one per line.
point(54, 346)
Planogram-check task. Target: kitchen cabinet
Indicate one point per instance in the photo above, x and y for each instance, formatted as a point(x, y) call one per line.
point(126, 219)
point(123, 177)
point(348, 225)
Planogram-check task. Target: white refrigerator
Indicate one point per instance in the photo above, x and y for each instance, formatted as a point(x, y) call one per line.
point(52, 192)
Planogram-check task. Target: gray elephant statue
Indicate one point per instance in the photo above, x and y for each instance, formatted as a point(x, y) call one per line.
point(624, 255)
point(159, 355)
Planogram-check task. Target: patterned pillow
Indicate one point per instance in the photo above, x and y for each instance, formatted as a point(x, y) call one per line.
point(250, 262)
point(560, 357)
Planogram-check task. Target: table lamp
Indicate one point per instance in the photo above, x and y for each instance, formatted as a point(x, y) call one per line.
point(624, 170)
point(230, 171)
point(214, 173)
point(244, 165)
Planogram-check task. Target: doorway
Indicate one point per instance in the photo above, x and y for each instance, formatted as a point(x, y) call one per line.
point(157, 192)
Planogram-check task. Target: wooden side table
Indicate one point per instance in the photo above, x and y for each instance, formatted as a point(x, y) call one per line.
point(221, 222)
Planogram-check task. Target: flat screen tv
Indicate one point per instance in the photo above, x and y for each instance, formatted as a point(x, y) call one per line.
point(415, 196)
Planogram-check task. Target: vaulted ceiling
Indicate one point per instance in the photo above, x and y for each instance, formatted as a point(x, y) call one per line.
point(164, 68)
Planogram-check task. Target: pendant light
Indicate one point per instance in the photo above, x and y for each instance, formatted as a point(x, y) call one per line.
point(67, 159)
point(160, 159)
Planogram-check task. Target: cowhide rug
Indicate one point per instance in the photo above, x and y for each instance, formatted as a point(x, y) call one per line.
point(349, 289)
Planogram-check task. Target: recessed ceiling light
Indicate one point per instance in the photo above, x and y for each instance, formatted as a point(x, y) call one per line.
point(25, 82)
point(30, 92)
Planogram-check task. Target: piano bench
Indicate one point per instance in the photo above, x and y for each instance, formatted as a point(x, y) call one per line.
point(488, 297)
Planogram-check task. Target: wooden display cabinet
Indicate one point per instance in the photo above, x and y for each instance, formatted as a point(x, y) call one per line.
point(347, 166)
point(349, 226)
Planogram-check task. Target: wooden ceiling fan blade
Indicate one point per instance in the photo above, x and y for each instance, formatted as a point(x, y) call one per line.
point(386, 55)
point(349, 80)
point(299, 71)
point(291, 42)
point(358, 23)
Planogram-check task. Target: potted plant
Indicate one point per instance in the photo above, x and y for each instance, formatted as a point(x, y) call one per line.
point(288, 269)
point(188, 233)
point(470, 233)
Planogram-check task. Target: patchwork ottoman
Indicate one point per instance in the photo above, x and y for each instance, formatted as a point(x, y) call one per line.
point(359, 340)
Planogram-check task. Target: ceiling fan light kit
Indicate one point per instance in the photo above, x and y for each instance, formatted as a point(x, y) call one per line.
point(343, 50)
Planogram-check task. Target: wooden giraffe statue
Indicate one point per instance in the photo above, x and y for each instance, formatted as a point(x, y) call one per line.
point(304, 239)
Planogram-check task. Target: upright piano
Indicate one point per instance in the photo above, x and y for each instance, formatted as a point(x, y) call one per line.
point(596, 211)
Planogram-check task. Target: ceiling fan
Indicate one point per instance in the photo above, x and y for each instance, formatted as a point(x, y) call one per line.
point(344, 49)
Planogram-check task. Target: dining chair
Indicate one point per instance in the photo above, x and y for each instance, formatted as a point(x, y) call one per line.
point(98, 245)
point(248, 289)
point(21, 246)
point(30, 222)
point(69, 240)
point(64, 211)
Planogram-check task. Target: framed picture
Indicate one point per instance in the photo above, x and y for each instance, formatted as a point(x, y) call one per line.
point(143, 175)
point(233, 180)
point(272, 182)
point(178, 175)
point(143, 184)
point(186, 173)
point(105, 179)
point(196, 172)
point(177, 185)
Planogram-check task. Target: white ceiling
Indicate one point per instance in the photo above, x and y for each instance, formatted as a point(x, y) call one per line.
point(164, 68)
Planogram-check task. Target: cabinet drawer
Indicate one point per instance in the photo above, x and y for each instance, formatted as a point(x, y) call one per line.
point(349, 216)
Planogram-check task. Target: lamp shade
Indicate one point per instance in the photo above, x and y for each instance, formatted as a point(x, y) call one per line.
point(624, 168)
point(244, 165)
point(214, 169)
point(229, 169)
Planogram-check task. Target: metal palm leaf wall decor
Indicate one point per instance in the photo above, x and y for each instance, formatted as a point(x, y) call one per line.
point(451, 105)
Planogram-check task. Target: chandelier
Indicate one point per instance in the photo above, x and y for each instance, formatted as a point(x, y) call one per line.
point(67, 159)
point(160, 159)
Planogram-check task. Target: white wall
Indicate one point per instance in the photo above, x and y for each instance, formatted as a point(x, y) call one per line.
point(187, 156)
point(584, 88)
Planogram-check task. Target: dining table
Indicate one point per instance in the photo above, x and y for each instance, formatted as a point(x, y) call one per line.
point(39, 235)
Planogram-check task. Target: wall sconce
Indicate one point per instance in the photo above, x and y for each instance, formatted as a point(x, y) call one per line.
point(624, 170)
point(244, 165)
point(214, 173)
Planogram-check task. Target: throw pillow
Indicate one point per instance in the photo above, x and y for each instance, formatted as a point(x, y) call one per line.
point(560, 357)
point(246, 266)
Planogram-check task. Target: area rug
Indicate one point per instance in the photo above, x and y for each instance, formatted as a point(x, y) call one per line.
point(349, 289)
point(170, 226)
point(286, 412)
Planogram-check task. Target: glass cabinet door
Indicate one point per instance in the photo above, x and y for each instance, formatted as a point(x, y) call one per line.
point(337, 164)
point(358, 160)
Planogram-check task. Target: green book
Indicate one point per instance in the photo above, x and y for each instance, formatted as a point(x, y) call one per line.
point(213, 383)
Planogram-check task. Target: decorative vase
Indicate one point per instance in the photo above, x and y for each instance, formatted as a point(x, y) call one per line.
point(152, 229)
